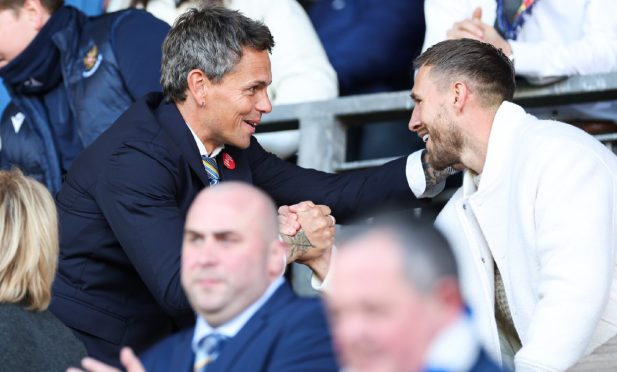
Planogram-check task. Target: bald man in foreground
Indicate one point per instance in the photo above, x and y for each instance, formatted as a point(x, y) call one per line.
point(248, 316)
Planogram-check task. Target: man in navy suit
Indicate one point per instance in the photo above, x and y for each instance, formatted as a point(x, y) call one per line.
point(232, 265)
point(395, 304)
point(123, 204)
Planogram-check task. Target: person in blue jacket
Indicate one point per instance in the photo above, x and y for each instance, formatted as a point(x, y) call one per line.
point(90, 7)
point(371, 45)
point(69, 78)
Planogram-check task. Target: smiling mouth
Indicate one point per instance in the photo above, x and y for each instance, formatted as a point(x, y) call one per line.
point(252, 123)
point(425, 138)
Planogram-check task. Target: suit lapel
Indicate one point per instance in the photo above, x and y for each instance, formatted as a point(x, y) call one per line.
point(253, 328)
point(182, 356)
point(233, 165)
point(170, 119)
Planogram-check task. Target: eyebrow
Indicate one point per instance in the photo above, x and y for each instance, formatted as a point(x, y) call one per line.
point(414, 96)
point(257, 83)
point(216, 234)
point(193, 232)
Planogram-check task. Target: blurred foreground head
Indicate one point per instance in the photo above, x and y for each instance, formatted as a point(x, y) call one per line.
point(394, 288)
point(231, 252)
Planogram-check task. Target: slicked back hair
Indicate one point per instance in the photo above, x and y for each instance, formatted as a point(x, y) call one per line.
point(484, 67)
point(210, 39)
point(50, 5)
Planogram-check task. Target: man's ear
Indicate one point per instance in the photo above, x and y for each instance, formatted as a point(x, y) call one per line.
point(460, 95)
point(36, 12)
point(448, 292)
point(198, 84)
point(277, 262)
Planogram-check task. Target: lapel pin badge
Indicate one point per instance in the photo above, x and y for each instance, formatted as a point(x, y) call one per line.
point(228, 161)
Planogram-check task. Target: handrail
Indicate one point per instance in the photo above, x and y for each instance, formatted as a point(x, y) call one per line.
point(323, 124)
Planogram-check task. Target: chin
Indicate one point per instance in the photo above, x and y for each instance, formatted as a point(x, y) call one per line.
point(244, 144)
point(439, 163)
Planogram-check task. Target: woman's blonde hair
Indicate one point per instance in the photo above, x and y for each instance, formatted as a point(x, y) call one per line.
point(28, 241)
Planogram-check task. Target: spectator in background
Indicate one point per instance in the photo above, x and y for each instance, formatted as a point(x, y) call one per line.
point(232, 265)
point(371, 44)
point(4, 101)
point(395, 305)
point(69, 77)
point(546, 39)
point(533, 225)
point(32, 338)
point(90, 7)
point(300, 69)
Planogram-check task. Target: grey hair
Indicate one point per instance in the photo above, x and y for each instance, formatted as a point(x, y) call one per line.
point(482, 64)
point(210, 39)
point(426, 255)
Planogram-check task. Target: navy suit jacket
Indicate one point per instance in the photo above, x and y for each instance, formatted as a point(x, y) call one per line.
point(122, 209)
point(288, 333)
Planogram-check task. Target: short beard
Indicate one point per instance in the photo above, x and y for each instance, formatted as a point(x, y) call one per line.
point(447, 144)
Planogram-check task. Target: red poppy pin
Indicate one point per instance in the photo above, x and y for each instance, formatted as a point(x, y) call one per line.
point(229, 162)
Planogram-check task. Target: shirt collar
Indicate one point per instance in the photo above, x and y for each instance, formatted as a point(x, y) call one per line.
point(202, 148)
point(454, 349)
point(232, 327)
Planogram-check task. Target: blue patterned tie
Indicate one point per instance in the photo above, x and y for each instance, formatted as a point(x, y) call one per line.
point(211, 169)
point(208, 349)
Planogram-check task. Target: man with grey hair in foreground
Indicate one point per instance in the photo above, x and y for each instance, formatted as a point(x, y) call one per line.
point(409, 314)
point(249, 318)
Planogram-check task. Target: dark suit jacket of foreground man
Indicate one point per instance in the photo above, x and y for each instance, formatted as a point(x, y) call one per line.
point(287, 334)
point(122, 210)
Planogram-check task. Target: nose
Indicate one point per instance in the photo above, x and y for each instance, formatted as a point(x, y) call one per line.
point(414, 122)
point(349, 330)
point(207, 255)
point(263, 104)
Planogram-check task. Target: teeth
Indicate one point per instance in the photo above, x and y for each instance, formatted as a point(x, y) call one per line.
point(425, 138)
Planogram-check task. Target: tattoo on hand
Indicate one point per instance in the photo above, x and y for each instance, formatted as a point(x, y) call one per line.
point(433, 176)
point(299, 244)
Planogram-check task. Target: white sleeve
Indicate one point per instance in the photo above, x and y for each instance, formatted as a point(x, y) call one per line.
point(416, 179)
point(440, 15)
point(594, 52)
point(317, 284)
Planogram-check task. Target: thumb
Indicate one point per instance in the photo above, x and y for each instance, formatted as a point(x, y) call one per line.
point(130, 361)
point(477, 14)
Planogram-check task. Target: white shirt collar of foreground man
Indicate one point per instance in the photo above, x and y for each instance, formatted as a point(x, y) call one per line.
point(231, 328)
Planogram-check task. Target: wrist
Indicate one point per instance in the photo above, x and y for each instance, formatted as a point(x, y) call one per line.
point(320, 265)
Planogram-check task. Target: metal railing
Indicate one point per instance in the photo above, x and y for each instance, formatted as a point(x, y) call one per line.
point(323, 124)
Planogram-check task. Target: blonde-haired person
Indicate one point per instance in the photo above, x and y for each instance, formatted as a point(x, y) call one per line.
point(301, 71)
point(32, 338)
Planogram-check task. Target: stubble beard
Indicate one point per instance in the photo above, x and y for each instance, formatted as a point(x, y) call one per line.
point(447, 144)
